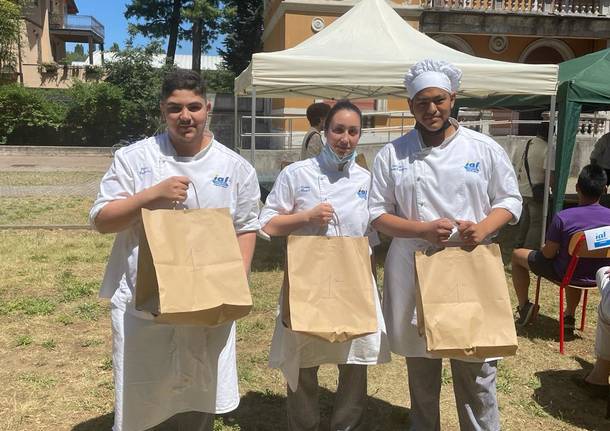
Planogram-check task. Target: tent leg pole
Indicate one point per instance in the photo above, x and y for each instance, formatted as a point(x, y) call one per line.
point(253, 129)
point(547, 171)
point(236, 138)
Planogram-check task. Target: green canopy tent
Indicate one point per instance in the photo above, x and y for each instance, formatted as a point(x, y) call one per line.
point(584, 84)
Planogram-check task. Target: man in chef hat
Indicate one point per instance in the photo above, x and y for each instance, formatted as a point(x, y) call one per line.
point(440, 184)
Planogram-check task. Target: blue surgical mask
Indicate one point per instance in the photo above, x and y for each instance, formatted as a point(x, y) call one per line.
point(330, 158)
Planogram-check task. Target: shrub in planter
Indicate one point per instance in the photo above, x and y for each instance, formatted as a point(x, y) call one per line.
point(49, 68)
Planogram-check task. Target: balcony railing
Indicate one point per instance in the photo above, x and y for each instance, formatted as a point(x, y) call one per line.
point(591, 8)
point(77, 22)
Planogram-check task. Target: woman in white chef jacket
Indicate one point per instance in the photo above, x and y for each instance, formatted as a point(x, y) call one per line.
point(303, 200)
point(171, 377)
point(440, 180)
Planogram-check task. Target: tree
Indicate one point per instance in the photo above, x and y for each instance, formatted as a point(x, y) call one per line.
point(205, 18)
point(10, 13)
point(133, 72)
point(159, 19)
point(77, 55)
point(243, 26)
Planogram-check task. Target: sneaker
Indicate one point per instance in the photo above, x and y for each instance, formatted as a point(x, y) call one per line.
point(525, 314)
point(569, 325)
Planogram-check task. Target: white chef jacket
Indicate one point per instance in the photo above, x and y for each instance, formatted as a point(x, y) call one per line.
point(464, 178)
point(299, 187)
point(161, 370)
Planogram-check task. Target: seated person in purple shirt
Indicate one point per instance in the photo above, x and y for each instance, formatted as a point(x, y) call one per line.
point(552, 261)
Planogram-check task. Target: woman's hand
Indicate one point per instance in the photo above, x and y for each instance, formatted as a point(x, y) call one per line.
point(321, 214)
point(437, 231)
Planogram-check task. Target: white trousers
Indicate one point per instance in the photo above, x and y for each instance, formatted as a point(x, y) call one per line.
point(602, 336)
point(349, 406)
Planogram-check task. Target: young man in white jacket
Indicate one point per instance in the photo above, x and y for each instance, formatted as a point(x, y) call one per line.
point(171, 377)
point(436, 180)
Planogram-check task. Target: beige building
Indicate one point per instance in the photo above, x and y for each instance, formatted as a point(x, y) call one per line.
point(527, 31)
point(47, 25)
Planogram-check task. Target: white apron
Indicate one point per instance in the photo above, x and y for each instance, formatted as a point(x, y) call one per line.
point(302, 186)
point(161, 370)
point(464, 178)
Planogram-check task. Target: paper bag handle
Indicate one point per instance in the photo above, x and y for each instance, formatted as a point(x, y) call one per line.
point(196, 197)
point(335, 216)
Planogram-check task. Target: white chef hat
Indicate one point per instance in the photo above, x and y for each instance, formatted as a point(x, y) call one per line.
point(432, 73)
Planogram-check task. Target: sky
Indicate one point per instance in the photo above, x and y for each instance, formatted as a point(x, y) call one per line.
point(111, 14)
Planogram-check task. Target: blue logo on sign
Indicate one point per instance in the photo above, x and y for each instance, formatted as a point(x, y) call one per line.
point(221, 181)
point(601, 240)
point(473, 167)
point(304, 189)
point(362, 193)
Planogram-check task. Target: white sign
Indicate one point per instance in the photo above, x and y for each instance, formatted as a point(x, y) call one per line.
point(598, 238)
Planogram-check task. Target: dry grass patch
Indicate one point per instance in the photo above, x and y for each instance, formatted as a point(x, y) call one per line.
point(55, 348)
point(57, 178)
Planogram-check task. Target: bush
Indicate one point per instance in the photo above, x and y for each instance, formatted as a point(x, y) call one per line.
point(95, 114)
point(27, 117)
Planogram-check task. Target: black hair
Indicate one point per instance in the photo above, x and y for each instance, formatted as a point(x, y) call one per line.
point(340, 106)
point(592, 181)
point(316, 112)
point(543, 130)
point(182, 79)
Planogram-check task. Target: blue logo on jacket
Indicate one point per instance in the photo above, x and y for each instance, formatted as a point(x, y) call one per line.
point(362, 193)
point(473, 167)
point(221, 181)
point(304, 189)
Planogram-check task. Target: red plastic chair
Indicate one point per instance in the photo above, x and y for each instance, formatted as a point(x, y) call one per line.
point(577, 248)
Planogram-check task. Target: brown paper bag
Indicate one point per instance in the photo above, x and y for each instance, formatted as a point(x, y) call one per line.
point(463, 304)
point(328, 290)
point(190, 269)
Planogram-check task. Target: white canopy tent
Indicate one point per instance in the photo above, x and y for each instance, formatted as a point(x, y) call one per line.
point(365, 54)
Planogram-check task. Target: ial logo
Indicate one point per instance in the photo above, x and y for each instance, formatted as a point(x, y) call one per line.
point(601, 240)
point(473, 167)
point(362, 193)
point(221, 181)
point(304, 189)
point(144, 170)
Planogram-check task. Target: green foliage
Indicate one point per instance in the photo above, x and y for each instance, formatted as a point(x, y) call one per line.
point(140, 82)
point(95, 114)
point(243, 25)
point(9, 34)
point(23, 340)
point(219, 81)
point(196, 20)
point(29, 306)
point(205, 13)
point(27, 114)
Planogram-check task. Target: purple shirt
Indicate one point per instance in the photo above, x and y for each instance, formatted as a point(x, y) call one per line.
point(564, 225)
